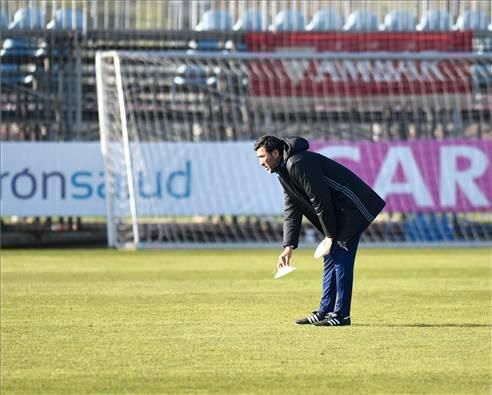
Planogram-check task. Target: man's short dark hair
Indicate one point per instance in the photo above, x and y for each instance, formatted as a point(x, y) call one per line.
point(270, 143)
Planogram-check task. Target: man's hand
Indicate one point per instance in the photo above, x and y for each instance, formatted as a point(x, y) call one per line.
point(284, 258)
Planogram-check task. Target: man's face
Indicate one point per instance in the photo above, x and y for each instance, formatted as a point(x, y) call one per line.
point(269, 160)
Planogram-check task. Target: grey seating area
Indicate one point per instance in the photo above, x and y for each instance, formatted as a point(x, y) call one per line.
point(47, 59)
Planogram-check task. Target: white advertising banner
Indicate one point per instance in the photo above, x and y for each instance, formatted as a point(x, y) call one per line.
point(41, 179)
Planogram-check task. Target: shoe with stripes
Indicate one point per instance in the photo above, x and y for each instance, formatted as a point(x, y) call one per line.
point(311, 319)
point(334, 319)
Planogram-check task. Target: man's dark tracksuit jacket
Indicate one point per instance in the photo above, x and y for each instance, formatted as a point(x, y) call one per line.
point(335, 200)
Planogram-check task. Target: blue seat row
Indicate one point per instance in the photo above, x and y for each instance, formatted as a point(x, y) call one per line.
point(326, 19)
point(34, 18)
point(329, 19)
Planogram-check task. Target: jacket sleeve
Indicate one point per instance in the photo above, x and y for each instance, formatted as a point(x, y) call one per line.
point(312, 180)
point(292, 222)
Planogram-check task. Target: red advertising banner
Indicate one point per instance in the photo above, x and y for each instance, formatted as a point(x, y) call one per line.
point(311, 78)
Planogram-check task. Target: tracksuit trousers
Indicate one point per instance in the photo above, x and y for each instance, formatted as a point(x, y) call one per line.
point(338, 277)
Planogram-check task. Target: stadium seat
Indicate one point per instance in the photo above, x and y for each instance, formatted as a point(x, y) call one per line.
point(472, 20)
point(219, 20)
point(28, 18)
point(4, 22)
point(435, 20)
point(361, 21)
point(288, 21)
point(68, 19)
point(326, 19)
point(399, 21)
point(212, 20)
point(251, 21)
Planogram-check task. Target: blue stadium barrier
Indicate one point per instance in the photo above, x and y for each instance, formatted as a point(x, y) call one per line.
point(212, 20)
point(435, 20)
point(326, 19)
point(428, 227)
point(362, 21)
point(288, 21)
point(399, 21)
point(67, 19)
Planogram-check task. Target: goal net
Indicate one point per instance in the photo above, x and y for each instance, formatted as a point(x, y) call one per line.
point(177, 134)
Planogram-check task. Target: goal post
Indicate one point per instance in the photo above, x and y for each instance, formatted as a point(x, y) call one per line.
point(177, 133)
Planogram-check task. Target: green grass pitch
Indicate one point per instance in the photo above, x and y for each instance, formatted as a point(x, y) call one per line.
point(216, 322)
